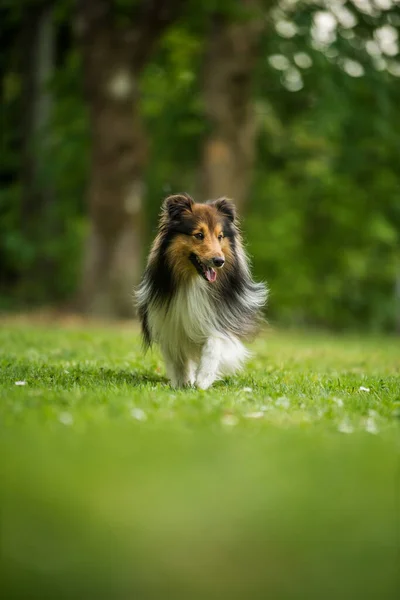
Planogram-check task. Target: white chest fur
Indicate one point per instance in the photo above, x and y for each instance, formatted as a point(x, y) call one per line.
point(194, 348)
point(182, 326)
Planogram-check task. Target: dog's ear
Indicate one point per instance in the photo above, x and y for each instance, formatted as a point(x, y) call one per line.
point(176, 204)
point(226, 207)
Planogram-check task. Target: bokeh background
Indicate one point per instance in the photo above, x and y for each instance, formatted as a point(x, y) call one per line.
point(289, 107)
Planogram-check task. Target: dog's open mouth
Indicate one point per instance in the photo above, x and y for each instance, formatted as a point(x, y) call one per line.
point(208, 273)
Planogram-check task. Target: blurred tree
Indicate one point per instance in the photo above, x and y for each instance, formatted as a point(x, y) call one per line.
point(117, 40)
point(322, 220)
point(330, 128)
point(231, 54)
point(28, 61)
point(37, 39)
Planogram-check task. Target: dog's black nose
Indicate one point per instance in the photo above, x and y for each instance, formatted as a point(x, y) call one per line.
point(218, 262)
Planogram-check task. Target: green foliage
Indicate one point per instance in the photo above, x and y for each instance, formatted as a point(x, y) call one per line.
point(324, 222)
point(323, 219)
point(42, 251)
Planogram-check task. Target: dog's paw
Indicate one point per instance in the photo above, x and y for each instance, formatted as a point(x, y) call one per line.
point(203, 383)
point(181, 384)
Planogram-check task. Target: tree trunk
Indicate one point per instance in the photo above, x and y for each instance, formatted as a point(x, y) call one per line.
point(229, 150)
point(113, 257)
point(113, 59)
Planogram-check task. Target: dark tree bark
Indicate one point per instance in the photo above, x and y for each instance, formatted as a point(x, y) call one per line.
point(229, 150)
point(113, 58)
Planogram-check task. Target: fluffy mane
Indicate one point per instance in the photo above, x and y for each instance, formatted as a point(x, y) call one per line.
point(231, 306)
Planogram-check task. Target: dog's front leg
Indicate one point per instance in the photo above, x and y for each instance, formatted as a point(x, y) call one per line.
point(181, 373)
point(209, 363)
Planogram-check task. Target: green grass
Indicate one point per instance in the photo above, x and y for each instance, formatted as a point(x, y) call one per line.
point(81, 377)
point(280, 482)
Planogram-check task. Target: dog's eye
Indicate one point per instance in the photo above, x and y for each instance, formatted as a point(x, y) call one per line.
point(221, 236)
point(199, 236)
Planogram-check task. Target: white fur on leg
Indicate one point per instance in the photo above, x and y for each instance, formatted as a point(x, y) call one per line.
point(208, 369)
point(192, 367)
point(180, 374)
point(233, 355)
point(221, 356)
point(170, 368)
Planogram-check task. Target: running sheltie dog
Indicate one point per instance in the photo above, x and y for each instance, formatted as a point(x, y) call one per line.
point(197, 296)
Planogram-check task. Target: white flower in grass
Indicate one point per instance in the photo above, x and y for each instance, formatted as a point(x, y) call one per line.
point(229, 420)
point(338, 401)
point(20, 383)
point(345, 427)
point(247, 389)
point(363, 389)
point(66, 418)
point(371, 426)
point(370, 423)
point(258, 414)
point(283, 402)
point(138, 414)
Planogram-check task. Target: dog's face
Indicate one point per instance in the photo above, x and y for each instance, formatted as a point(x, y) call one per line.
point(201, 236)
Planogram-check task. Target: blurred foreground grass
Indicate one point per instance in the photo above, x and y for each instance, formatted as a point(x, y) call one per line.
point(282, 482)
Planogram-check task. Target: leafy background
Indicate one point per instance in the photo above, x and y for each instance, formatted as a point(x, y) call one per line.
point(322, 220)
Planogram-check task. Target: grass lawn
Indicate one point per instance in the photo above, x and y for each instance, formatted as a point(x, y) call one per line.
point(280, 482)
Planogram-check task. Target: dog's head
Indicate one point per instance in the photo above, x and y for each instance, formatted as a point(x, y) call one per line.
point(201, 236)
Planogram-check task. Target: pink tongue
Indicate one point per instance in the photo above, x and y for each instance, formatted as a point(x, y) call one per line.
point(211, 274)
